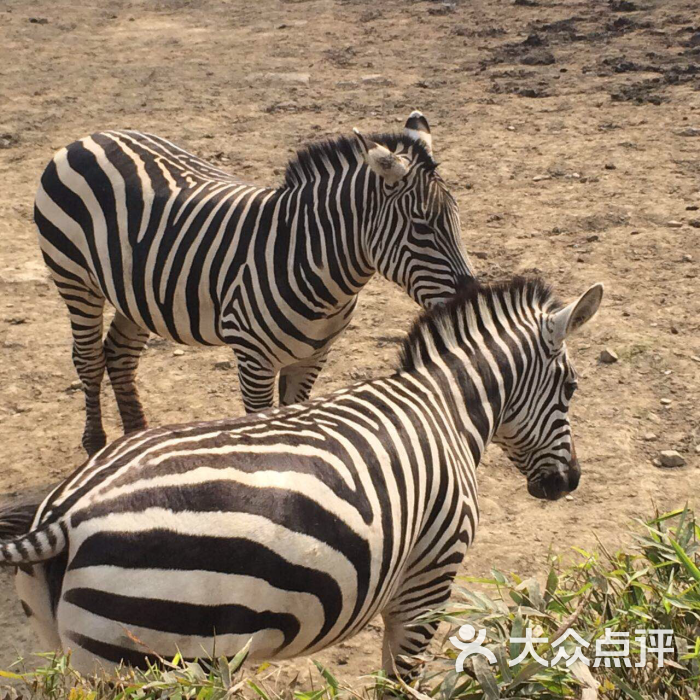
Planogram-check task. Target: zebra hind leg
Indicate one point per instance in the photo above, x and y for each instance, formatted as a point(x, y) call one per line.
point(123, 346)
point(296, 381)
point(257, 384)
point(86, 310)
point(404, 642)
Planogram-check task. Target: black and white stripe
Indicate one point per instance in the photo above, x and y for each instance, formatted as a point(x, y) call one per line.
point(295, 527)
point(188, 252)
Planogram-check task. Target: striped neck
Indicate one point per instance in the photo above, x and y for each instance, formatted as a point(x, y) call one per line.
point(478, 350)
point(329, 204)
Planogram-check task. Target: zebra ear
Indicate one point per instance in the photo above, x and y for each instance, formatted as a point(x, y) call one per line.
point(417, 128)
point(569, 319)
point(381, 160)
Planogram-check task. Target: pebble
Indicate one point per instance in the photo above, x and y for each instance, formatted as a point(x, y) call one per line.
point(610, 166)
point(593, 238)
point(689, 131)
point(346, 84)
point(666, 402)
point(376, 79)
point(224, 364)
point(539, 178)
point(671, 458)
point(695, 223)
point(674, 224)
point(697, 449)
point(608, 356)
point(75, 386)
point(289, 78)
point(538, 57)
point(178, 353)
point(650, 437)
point(569, 498)
point(687, 258)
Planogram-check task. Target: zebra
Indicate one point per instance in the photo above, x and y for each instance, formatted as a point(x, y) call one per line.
point(186, 251)
point(292, 528)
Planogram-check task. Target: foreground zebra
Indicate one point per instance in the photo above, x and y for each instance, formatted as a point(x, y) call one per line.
point(188, 252)
point(296, 527)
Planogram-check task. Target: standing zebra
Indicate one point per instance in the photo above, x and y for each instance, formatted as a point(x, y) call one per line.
point(187, 251)
point(296, 527)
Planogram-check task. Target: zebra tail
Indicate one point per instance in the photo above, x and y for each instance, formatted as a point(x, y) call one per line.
point(28, 546)
point(16, 518)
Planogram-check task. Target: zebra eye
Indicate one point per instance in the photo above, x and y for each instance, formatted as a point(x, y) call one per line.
point(569, 389)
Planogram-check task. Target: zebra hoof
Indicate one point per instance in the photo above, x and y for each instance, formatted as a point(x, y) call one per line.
point(94, 443)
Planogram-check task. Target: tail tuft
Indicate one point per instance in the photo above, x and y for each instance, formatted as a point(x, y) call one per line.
point(16, 518)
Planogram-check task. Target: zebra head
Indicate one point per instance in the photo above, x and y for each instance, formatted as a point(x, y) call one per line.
point(416, 237)
point(535, 430)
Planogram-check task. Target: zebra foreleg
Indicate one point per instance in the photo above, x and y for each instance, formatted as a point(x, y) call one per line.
point(296, 381)
point(123, 346)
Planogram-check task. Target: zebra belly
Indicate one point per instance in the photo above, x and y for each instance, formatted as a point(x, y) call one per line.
point(239, 579)
point(195, 613)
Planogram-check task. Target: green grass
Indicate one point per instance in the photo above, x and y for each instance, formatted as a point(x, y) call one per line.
point(654, 585)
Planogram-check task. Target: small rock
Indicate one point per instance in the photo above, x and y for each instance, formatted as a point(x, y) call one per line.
point(444, 8)
point(17, 320)
point(289, 78)
point(665, 402)
point(623, 6)
point(569, 497)
point(593, 238)
point(224, 364)
point(695, 223)
point(674, 224)
point(38, 20)
point(480, 254)
point(695, 358)
point(376, 79)
point(656, 462)
point(650, 437)
point(178, 353)
point(539, 178)
point(689, 131)
point(538, 58)
point(608, 356)
point(687, 258)
point(692, 207)
point(671, 458)
point(697, 448)
point(610, 166)
point(346, 84)
point(8, 140)
point(510, 128)
point(74, 386)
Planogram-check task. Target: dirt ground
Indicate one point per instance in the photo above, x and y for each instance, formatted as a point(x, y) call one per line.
point(569, 133)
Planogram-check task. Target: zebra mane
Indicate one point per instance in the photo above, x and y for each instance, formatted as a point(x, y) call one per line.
point(315, 157)
point(439, 326)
